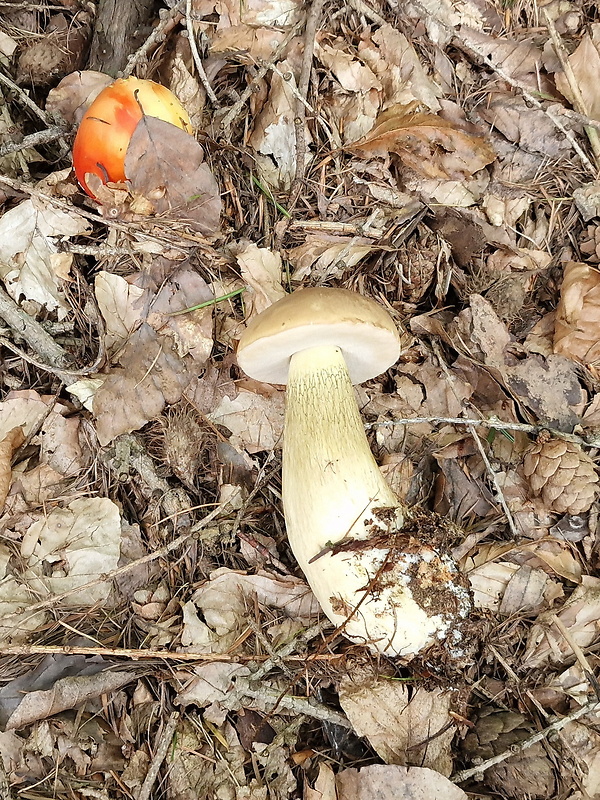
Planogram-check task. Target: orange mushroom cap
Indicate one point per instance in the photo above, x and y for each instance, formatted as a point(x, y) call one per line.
point(108, 125)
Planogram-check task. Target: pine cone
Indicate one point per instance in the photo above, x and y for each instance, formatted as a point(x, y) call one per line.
point(562, 474)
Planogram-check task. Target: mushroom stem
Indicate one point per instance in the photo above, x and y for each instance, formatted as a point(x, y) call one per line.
point(331, 482)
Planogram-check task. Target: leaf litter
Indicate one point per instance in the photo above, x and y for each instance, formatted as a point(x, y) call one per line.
point(156, 636)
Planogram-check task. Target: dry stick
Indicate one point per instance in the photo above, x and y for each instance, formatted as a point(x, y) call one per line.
point(26, 100)
point(310, 31)
point(33, 140)
point(492, 422)
point(235, 109)
point(32, 332)
point(474, 772)
point(167, 23)
point(197, 60)
point(578, 100)
point(139, 654)
point(159, 756)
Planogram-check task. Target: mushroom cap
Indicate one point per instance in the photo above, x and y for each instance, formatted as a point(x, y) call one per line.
point(361, 328)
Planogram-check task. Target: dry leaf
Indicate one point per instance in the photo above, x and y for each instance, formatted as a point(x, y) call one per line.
point(395, 783)
point(577, 321)
point(164, 164)
point(151, 375)
point(585, 63)
point(402, 729)
point(274, 137)
point(428, 144)
point(394, 61)
point(212, 683)
point(351, 74)
point(11, 442)
point(529, 128)
point(255, 420)
point(73, 546)
point(324, 256)
point(118, 302)
point(261, 270)
point(30, 264)
point(75, 94)
point(71, 692)
point(580, 615)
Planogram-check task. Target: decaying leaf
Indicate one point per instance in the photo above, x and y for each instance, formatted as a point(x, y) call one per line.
point(324, 256)
point(428, 144)
point(395, 783)
point(402, 729)
point(118, 303)
point(165, 165)
point(255, 419)
point(578, 314)
point(11, 442)
point(30, 263)
point(580, 615)
point(73, 546)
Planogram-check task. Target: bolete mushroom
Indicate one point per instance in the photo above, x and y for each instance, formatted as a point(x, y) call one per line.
point(364, 555)
point(106, 129)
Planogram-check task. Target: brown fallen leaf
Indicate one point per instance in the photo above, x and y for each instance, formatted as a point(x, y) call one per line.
point(69, 692)
point(402, 729)
point(585, 63)
point(165, 165)
point(395, 783)
point(11, 442)
point(578, 314)
point(428, 144)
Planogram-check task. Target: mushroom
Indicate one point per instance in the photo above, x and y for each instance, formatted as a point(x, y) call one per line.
point(370, 562)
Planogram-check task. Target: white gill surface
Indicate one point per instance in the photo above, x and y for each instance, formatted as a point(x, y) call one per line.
point(331, 485)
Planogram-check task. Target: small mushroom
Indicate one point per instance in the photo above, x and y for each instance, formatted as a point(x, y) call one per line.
point(361, 551)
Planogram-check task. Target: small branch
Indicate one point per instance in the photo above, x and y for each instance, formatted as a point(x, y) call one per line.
point(33, 140)
point(195, 53)
point(310, 31)
point(160, 754)
point(494, 477)
point(235, 109)
point(475, 772)
point(26, 100)
point(167, 22)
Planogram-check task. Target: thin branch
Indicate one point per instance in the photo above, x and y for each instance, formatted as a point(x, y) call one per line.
point(235, 109)
point(160, 754)
point(195, 53)
point(166, 24)
point(33, 140)
point(475, 772)
point(26, 100)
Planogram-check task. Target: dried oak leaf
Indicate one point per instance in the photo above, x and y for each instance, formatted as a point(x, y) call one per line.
point(11, 442)
point(428, 144)
point(578, 314)
point(165, 166)
point(585, 63)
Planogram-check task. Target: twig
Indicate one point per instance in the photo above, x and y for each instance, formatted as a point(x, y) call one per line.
point(297, 705)
point(195, 53)
point(578, 100)
point(492, 422)
point(26, 100)
point(25, 327)
point(159, 756)
point(33, 140)
point(138, 654)
point(499, 493)
point(166, 24)
point(235, 109)
point(310, 31)
point(526, 743)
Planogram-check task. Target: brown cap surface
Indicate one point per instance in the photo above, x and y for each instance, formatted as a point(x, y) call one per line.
point(360, 327)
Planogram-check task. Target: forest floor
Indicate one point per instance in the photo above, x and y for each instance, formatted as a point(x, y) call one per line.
point(157, 637)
